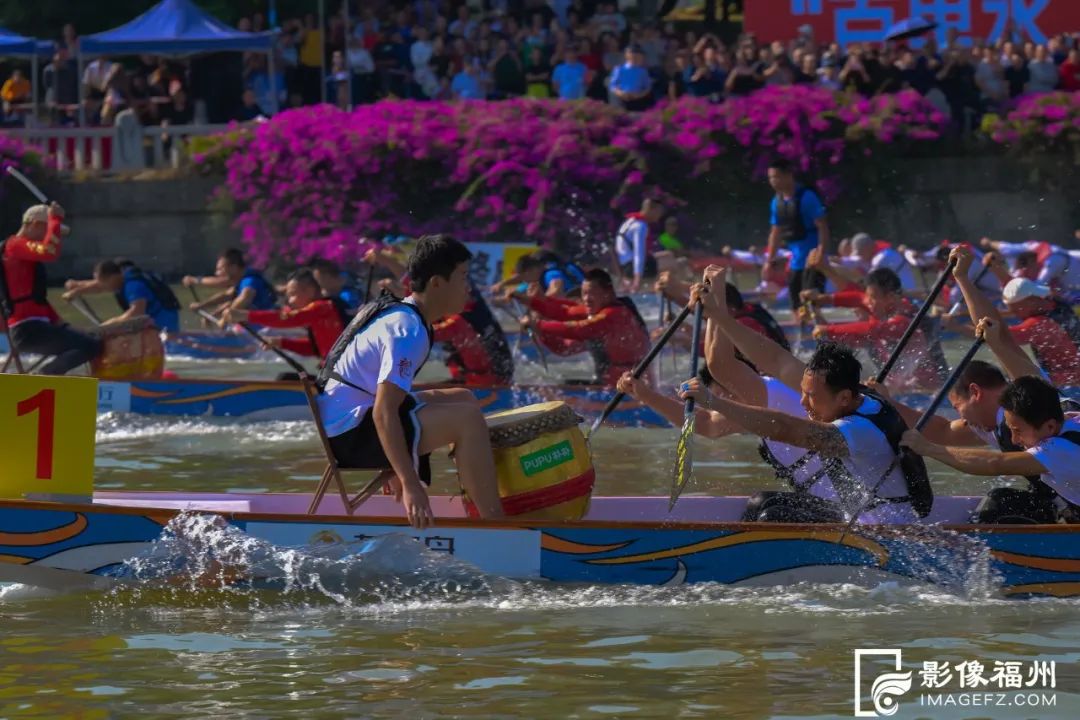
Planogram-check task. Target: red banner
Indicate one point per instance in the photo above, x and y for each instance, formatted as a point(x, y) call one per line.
point(867, 21)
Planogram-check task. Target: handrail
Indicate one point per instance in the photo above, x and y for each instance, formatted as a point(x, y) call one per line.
point(95, 137)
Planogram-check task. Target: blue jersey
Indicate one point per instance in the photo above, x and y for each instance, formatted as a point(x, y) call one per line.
point(809, 208)
point(137, 287)
point(265, 297)
point(570, 274)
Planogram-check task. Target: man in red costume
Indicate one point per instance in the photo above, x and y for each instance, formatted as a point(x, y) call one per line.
point(323, 317)
point(478, 354)
point(922, 365)
point(606, 326)
point(33, 325)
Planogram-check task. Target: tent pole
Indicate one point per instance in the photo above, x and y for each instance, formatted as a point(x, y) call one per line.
point(79, 83)
point(34, 86)
point(345, 52)
point(274, 104)
point(322, 49)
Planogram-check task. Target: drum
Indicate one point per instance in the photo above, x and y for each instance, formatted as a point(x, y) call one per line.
point(133, 350)
point(543, 464)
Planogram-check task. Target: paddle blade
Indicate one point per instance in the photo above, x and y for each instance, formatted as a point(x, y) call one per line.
point(684, 461)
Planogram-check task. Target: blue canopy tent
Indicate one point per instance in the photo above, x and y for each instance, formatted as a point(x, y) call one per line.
point(15, 45)
point(176, 27)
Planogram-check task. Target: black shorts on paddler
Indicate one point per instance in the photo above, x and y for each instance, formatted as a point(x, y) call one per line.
point(360, 449)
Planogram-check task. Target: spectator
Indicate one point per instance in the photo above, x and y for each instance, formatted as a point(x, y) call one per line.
point(1016, 74)
point(420, 57)
point(743, 79)
point(708, 75)
point(991, 81)
point(807, 71)
point(1042, 72)
point(117, 94)
point(569, 77)
point(466, 85)
point(61, 82)
point(95, 75)
point(69, 39)
point(249, 107)
point(15, 91)
point(854, 75)
point(679, 70)
point(310, 60)
point(338, 82)
point(537, 74)
point(957, 80)
point(506, 71)
point(608, 19)
point(1069, 72)
point(179, 110)
point(362, 69)
point(630, 82)
point(463, 26)
point(829, 74)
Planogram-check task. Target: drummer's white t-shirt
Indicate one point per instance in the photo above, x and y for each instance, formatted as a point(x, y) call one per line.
point(788, 401)
point(869, 456)
point(391, 349)
point(1061, 458)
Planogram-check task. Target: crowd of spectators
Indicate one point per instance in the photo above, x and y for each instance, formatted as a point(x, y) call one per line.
point(569, 49)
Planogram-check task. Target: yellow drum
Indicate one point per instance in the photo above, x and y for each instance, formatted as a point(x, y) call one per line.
point(542, 462)
point(133, 350)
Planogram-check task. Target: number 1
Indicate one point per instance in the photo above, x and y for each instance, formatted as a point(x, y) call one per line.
point(45, 402)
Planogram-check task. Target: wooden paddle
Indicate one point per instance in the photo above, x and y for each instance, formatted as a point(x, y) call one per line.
point(684, 456)
point(914, 324)
point(290, 361)
point(928, 413)
point(640, 368)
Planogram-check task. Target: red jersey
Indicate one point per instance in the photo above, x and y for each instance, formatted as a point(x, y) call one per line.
point(321, 319)
point(615, 336)
point(922, 362)
point(1054, 349)
point(24, 274)
point(478, 353)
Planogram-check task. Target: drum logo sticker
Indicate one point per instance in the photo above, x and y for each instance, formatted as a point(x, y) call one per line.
point(547, 458)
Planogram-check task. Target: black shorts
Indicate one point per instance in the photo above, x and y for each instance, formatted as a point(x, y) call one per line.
point(360, 448)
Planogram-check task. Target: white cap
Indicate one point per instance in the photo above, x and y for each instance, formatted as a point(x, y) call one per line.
point(40, 213)
point(1019, 289)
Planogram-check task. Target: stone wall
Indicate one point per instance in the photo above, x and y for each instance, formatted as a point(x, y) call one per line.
point(168, 225)
point(163, 225)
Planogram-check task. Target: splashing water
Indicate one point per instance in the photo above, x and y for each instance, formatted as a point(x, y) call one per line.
point(197, 553)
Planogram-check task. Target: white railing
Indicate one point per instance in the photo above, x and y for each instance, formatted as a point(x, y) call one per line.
point(96, 149)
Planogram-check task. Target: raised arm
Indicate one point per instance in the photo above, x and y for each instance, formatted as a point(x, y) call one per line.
point(730, 373)
point(769, 357)
point(975, 461)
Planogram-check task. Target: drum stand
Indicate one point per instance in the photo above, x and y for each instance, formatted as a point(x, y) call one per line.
point(13, 352)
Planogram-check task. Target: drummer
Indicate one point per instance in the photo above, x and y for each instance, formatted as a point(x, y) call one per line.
point(33, 325)
point(244, 287)
point(324, 318)
point(371, 414)
point(603, 324)
point(138, 293)
point(853, 431)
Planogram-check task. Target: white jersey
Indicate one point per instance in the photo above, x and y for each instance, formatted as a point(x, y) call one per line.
point(893, 260)
point(788, 401)
point(391, 349)
point(869, 456)
point(990, 437)
point(1061, 458)
point(630, 243)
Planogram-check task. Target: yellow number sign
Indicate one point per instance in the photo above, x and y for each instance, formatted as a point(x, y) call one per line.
point(47, 442)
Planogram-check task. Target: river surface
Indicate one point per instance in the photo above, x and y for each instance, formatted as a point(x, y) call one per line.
point(451, 642)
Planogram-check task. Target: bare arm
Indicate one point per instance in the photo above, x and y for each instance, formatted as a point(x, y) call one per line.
point(822, 438)
point(732, 374)
point(706, 422)
point(824, 237)
point(244, 299)
point(135, 309)
point(975, 461)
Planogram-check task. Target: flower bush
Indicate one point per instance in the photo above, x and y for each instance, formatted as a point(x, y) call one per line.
point(17, 154)
point(313, 180)
point(1043, 132)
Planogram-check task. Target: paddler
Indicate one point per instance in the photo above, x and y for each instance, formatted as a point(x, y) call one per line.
point(336, 283)
point(371, 415)
point(324, 318)
point(245, 287)
point(812, 497)
point(888, 315)
point(137, 292)
point(1057, 267)
point(557, 277)
point(752, 315)
point(855, 432)
point(603, 324)
point(33, 325)
point(1048, 442)
point(1048, 324)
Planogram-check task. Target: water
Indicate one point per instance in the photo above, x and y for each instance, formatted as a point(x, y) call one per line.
point(395, 631)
